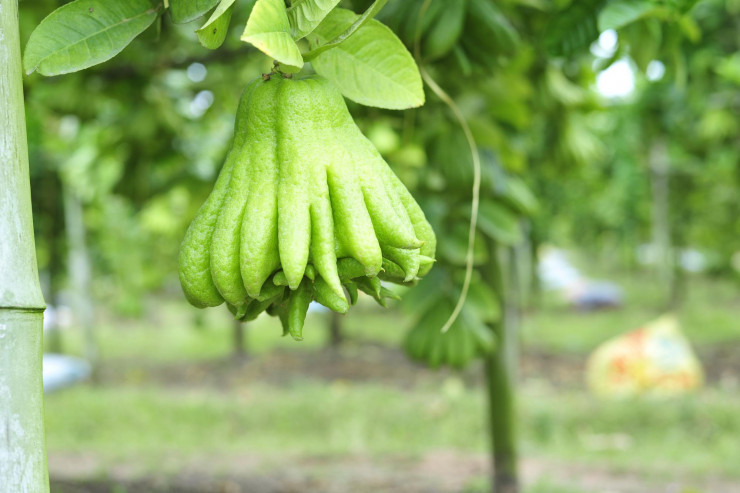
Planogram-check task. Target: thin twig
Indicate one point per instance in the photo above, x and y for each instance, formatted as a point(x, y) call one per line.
point(441, 94)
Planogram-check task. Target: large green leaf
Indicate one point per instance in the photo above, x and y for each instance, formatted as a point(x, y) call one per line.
point(518, 195)
point(183, 11)
point(488, 27)
point(573, 29)
point(617, 14)
point(342, 32)
point(371, 67)
point(430, 291)
point(213, 33)
point(729, 68)
point(454, 248)
point(84, 33)
point(305, 15)
point(268, 29)
point(446, 30)
point(482, 300)
point(499, 223)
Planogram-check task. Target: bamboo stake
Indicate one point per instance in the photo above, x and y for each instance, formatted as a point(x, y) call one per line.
point(23, 466)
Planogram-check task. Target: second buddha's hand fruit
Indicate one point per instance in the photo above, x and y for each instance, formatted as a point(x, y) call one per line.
point(303, 208)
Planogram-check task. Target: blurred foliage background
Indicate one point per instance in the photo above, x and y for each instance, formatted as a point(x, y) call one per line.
point(608, 128)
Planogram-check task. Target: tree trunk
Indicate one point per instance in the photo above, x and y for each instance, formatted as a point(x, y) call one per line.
point(335, 330)
point(80, 273)
point(238, 329)
point(22, 446)
point(661, 230)
point(534, 298)
point(500, 372)
point(678, 278)
point(524, 268)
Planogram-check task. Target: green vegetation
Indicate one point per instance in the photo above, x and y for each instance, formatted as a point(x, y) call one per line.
point(171, 397)
point(499, 118)
point(148, 425)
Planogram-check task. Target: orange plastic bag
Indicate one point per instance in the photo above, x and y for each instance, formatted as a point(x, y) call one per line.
point(655, 359)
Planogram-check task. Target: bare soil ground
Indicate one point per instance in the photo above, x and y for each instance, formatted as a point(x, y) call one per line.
point(439, 472)
point(372, 362)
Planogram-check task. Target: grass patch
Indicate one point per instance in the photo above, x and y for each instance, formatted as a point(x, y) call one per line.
point(696, 434)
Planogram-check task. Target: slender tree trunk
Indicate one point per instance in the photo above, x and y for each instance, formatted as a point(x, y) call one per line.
point(677, 293)
point(524, 267)
point(515, 292)
point(22, 448)
point(80, 274)
point(238, 329)
point(678, 279)
point(534, 298)
point(53, 337)
point(659, 168)
point(53, 340)
point(500, 373)
point(335, 330)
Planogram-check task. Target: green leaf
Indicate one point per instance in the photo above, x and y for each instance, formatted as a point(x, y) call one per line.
point(339, 33)
point(454, 248)
point(490, 28)
point(573, 29)
point(371, 67)
point(482, 300)
point(84, 33)
point(446, 30)
point(268, 29)
point(183, 11)
point(729, 68)
point(518, 195)
point(498, 223)
point(429, 292)
point(305, 15)
point(690, 28)
point(617, 14)
point(213, 33)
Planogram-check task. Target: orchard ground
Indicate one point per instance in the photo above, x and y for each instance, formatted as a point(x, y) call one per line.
point(174, 412)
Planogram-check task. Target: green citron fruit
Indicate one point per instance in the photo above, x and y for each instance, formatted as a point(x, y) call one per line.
point(302, 193)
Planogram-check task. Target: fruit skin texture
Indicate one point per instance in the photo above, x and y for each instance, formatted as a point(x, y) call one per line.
point(194, 260)
point(304, 200)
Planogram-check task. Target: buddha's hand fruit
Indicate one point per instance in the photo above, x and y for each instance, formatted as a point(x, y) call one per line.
point(304, 208)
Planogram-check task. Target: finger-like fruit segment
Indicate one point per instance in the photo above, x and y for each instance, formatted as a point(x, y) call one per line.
point(369, 285)
point(323, 252)
point(259, 256)
point(195, 257)
point(392, 272)
point(408, 260)
point(391, 228)
point(279, 279)
point(294, 217)
point(350, 268)
point(298, 307)
point(226, 237)
point(423, 229)
point(269, 291)
point(304, 208)
point(351, 219)
point(351, 292)
point(325, 295)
